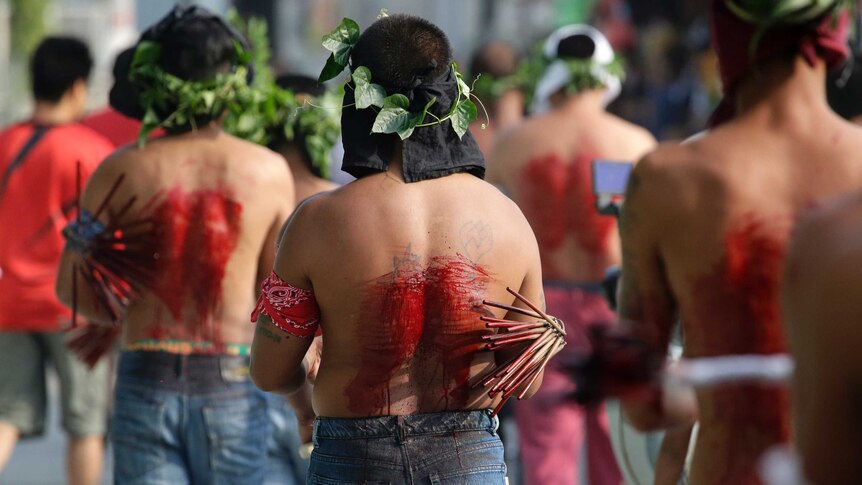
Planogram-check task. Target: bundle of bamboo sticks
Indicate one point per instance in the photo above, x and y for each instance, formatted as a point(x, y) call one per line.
point(547, 334)
point(119, 261)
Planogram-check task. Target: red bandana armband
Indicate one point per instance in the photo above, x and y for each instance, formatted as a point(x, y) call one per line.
point(291, 309)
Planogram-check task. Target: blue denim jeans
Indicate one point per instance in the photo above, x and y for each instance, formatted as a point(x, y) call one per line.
point(457, 447)
point(286, 467)
point(188, 419)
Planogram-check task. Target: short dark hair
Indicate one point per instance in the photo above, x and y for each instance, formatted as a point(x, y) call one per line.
point(56, 65)
point(197, 48)
point(402, 50)
point(496, 59)
point(578, 46)
point(299, 84)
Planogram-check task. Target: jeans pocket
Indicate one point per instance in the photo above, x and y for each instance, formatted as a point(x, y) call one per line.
point(138, 437)
point(238, 430)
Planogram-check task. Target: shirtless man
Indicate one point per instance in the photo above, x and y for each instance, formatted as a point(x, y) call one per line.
point(185, 410)
point(309, 166)
point(706, 224)
point(545, 166)
point(823, 312)
point(308, 172)
point(399, 262)
point(492, 63)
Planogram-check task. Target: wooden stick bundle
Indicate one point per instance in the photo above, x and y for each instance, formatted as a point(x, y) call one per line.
point(120, 261)
point(547, 334)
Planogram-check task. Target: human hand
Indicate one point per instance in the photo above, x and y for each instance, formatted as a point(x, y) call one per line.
point(306, 428)
point(312, 359)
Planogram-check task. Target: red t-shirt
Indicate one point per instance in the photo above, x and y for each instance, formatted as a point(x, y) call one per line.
point(117, 128)
point(36, 202)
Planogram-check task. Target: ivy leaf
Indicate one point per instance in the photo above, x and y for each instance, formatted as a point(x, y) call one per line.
point(330, 70)
point(341, 40)
point(396, 101)
point(367, 94)
point(246, 122)
point(146, 53)
point(462, 86)
point(394, 117)
point(465, 113)
point(149, 123)
point(243, 57)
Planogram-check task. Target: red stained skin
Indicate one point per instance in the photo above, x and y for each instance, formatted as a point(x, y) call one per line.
point(559, 200)
point(737, 309)
point(198, 233)
point(429, 328)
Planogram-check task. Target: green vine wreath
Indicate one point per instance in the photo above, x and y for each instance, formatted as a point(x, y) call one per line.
point(393, 115)
point(766, 14)
point(170, 102)
point(264, 111)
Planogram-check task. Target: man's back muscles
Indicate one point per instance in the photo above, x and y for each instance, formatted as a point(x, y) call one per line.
point(417, 261)
point(205, 211)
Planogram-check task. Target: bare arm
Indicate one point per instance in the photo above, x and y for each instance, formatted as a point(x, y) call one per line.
point(646, 303)
point(277, 357)
point(823, 312)
point(531, 289)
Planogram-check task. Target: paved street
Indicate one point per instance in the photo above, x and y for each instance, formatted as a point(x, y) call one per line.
point(42, 461)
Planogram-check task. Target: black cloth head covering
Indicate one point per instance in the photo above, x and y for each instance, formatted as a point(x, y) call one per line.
point(430, 152)
point(124, 95)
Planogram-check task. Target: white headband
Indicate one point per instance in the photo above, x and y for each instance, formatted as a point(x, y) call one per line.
point(557, 74)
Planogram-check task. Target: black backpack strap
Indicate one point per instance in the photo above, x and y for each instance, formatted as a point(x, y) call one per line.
point(38, 133)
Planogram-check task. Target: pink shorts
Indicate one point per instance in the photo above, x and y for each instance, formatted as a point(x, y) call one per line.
point(552, 428)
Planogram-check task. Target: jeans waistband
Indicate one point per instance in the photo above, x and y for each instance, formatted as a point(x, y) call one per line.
point(169, 370)
point(417, 424)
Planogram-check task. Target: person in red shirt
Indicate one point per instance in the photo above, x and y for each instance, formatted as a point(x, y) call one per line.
point(39, 162)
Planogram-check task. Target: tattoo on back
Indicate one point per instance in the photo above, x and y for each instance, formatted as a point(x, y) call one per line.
point(477, 239)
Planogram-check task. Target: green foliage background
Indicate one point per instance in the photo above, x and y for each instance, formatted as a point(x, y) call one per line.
point(28, 26)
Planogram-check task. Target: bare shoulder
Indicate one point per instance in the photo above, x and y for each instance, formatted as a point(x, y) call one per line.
point(827, 238)
point(666, 186)
point(666, 168)
point(313, 213)
point(636, 136)
point(517, 140)
point(121, 161)
point(261, 160)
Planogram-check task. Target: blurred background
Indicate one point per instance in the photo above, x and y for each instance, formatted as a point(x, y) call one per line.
point(671, 88)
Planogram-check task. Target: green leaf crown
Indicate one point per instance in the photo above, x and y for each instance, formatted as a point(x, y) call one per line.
point(765, 14)
point(264, 112)
point(393, 115)
point(531, 70)
point(170, 102)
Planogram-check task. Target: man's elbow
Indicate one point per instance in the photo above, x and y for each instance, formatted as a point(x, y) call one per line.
point(267, 381)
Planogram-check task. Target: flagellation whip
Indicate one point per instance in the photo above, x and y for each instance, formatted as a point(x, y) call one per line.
point(545, 335)
point(117, 258)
